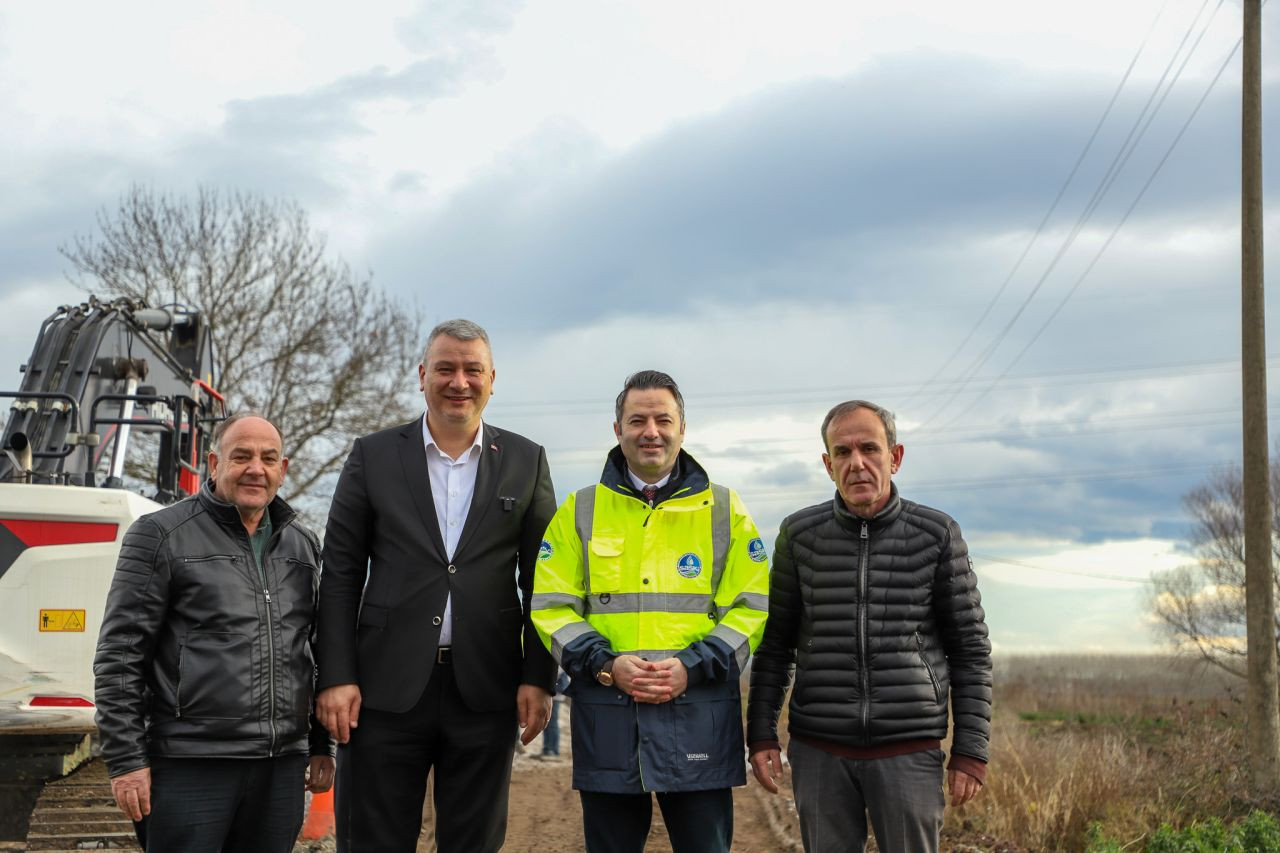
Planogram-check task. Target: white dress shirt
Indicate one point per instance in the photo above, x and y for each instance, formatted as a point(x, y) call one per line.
point(453, 484)
point(641, 485)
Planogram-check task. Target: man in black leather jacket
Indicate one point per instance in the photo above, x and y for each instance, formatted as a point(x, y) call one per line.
point(873, 604)
point(204, 671)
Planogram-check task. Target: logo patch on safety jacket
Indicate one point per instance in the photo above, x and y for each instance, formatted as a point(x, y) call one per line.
point(545, 550)
point(755, 549)
point(689, 565)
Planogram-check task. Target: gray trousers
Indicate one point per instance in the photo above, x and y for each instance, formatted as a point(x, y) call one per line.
point(834, 795)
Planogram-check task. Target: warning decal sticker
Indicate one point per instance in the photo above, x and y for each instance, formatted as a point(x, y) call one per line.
point(61, 620)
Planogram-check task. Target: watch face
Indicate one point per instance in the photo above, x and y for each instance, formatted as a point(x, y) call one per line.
point(605, 677)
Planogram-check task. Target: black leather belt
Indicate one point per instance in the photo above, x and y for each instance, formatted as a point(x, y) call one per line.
point(444, 654)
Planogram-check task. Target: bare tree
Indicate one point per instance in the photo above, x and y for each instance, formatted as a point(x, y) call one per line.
point(296, 336)
point(1201, 607)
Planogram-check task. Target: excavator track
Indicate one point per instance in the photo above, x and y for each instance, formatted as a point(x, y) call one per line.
point(78, 812)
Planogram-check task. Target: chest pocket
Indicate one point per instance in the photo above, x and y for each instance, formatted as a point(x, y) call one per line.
point(603, 569)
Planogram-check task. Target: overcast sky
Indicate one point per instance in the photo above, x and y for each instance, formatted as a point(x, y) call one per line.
point(784, 206)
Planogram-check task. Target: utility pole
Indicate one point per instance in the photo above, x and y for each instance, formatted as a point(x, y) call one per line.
point(1264, 702)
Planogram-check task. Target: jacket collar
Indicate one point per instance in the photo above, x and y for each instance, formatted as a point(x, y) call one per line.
point(687, 478)
point(226, 513)
point(887, 513)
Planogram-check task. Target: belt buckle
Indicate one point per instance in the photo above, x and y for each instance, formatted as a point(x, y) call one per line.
point(444, 654)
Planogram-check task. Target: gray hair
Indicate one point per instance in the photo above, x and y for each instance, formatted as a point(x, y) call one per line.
point(646, 380)
point(459, 329)
point(215, 443)
point(849, 406)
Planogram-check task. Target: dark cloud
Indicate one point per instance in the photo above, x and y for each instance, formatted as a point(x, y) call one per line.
point(813, 189)
point(330, 112)
point(407, 181)
point(788, 475)
point(276, 145)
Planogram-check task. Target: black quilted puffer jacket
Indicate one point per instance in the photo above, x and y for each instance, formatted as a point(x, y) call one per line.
point(881, 623)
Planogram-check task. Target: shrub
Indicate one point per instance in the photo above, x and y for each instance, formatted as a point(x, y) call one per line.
point(1257, 833)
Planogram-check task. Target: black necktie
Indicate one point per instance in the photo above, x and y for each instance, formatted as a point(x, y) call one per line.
point(650, 492)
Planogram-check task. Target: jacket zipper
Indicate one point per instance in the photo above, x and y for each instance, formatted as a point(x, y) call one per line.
point(271, 647)
point(639, 746)
point(862, 635)
point(270, 628)
point(177, 690)
point(933, 679)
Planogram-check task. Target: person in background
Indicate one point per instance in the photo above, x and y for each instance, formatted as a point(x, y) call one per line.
point(551, 734)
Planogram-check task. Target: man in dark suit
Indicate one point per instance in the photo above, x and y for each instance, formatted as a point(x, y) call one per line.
point(432, 663)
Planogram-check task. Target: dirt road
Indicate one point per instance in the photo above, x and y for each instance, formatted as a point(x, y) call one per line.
point(545, 815)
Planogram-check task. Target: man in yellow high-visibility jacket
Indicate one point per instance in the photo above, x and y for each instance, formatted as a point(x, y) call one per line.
point(651, 591)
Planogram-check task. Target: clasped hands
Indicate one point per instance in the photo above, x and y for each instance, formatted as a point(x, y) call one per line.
point(654, 682)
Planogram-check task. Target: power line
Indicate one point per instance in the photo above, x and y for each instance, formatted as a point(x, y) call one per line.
point(1125, 218)
point(1222, 417)
point(1143, 473)
point(1117, 164)
point(1006, 561)
point(756, 448)
point(753, 398)
point(1124, 79)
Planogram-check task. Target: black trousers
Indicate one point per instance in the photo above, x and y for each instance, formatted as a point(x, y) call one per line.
point(383, 774)
point(224, 805)
point(697, 821)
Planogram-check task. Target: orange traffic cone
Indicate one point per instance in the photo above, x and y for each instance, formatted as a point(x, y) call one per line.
point(319, 822)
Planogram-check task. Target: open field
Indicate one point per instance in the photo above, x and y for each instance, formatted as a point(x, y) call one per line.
point(1128, 742)
point(1124, 742)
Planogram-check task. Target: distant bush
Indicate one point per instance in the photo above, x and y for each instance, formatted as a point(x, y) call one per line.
point(1257, 833)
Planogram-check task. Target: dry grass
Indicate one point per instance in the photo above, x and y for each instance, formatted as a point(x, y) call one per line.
point(1129, 742)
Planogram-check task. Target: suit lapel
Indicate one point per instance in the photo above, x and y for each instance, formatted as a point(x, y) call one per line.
point(482, 499)
point(413, 455)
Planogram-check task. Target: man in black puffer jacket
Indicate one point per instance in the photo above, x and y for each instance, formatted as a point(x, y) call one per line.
point(204, 671)
point(874, 606)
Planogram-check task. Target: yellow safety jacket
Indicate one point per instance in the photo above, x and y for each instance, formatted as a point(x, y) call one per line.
point(687, 578)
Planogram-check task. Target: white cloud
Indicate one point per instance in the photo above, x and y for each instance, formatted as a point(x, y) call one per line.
point(1071, 565)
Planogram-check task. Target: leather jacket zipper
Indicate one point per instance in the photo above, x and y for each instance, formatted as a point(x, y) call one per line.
point(177, 688)
point(271, 652)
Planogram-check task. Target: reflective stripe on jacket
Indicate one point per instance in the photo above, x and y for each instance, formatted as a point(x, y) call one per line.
point(687, 578)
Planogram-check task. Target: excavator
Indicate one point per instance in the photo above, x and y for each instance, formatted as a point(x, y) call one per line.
point(112, 421)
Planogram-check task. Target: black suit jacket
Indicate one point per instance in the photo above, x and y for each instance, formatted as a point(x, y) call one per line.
point(383, 635)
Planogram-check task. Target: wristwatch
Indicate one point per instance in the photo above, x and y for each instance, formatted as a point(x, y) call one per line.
point(605, 675)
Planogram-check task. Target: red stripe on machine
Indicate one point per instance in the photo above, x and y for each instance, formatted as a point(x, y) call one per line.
point(60, 702)
point(36, 532)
